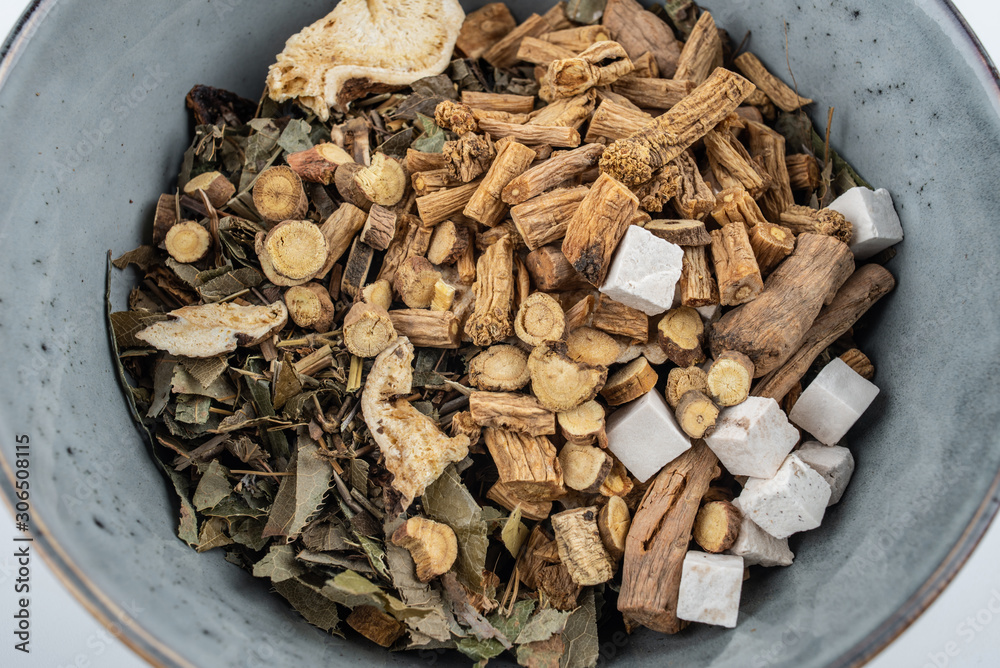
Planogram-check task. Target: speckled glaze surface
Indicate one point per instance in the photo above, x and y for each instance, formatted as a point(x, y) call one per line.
point(91, 107)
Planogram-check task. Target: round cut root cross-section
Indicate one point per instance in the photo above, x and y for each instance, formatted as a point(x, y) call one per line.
point(296, 249)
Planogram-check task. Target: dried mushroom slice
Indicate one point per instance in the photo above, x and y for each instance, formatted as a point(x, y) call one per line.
point(362, 47)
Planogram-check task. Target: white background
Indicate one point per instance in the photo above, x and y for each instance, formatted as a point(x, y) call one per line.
point(958, 631)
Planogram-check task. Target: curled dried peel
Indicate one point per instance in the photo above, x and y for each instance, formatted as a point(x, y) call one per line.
point(214, 329)
point(416, 452)
point(365, 46)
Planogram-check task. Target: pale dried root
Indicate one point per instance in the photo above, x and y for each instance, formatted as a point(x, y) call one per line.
point(432, 545)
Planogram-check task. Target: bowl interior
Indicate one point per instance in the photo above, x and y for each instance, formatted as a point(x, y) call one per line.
point(93, 109)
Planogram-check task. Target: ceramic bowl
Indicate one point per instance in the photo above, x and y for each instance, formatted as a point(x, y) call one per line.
point(92, 111)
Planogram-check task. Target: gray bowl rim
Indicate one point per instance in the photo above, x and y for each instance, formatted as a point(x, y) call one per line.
point(157, 653)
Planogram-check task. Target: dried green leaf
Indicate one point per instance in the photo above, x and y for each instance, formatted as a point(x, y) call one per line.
point(162, 382)
point(375, 554)
point(359, 475)
point(433, 138)
point(447, 500)
point(396, 145)
point(220, 389)
point(682, 15)
point(186, 272)
point(543, 626)
point(248, 531)
point(126, 324)
point(192, 409)
point(466, 613)
point(286, 383)
point(213, 487)
point(338, 561)
point(514, 532)
point(279, 564)
point(542, 653)
point(580, 635)
point(585, 11)
point(295, 136)
point(300, 496)
point(143, 257)
point(325, 534)
point(317, 609)
point(229, 283)
point(204, 370)
point(213, 535)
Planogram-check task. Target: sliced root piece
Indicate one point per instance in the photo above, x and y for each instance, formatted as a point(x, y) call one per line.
point(187, 241)
point(212, 329)
point(630, 382)
point(613, 522)
point(415, 280)
point(376, 625)
point(416, 451)
point(501, 368)
point(584, 467)
point(729, 378)
point(584, 424)
point(696, 414)
point(448, 243)
point(618, 482)
point(858, 361)
point(383, 182)
point(559, 382)
point(319, 163)
point(682, 380)
point(539, 319)
point(368, 330)
point(717, 526)
point(592, 346)
point(378, 293)
point(533, 510)
point(681, 334)
point(349, 188)
point(444, 296)
point(432, 545)
point(278, 195)
point(292, 252)
point(528, 465)
point(217, 188)
point(310, 306)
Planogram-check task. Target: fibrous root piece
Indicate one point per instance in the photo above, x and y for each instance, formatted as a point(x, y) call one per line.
point(416, 452)
point(187, 241)
point(310, 306)
point(559, 382)
point(539, 319)
point(363, 47)
point(383, 182)
point(292, 253)
point(212, 329)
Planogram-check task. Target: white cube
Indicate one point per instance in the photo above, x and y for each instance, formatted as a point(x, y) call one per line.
point(758, 547)
point(644, 435)
point(794, 500)
point(710, 588)
point(873, 219)
point(753, 438)
point(644, 272)
point(833, 462)
point(833, 402)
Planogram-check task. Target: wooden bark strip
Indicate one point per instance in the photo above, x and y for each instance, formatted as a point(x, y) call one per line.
point(650, 93)
point(735, 265)
point(783, 96)
point(411, 239)
point(552, 272)
point(544, 219)
point(514, 104)
point(359, 261)
point(579, 38)
point(569, 112)
point(768, 147)
point(640, 31)
point(597, 226)
point(634, 159)
point(658, 540)
point(419, 161)
point(560, 137)
point(380, 227)
point(427, 329)
point(551, 173)
point(492, 320)
point(339, 230)
point(527, 465)
point(441, 205)
point(803, 171)
point(616, 318)
point(425, 183)
point(702, 51)
point(514, 412)
point(483, 28)
point(769, 329)
point(612, 120)
point(858, 294)
point(504, 52)
point(698, 286)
